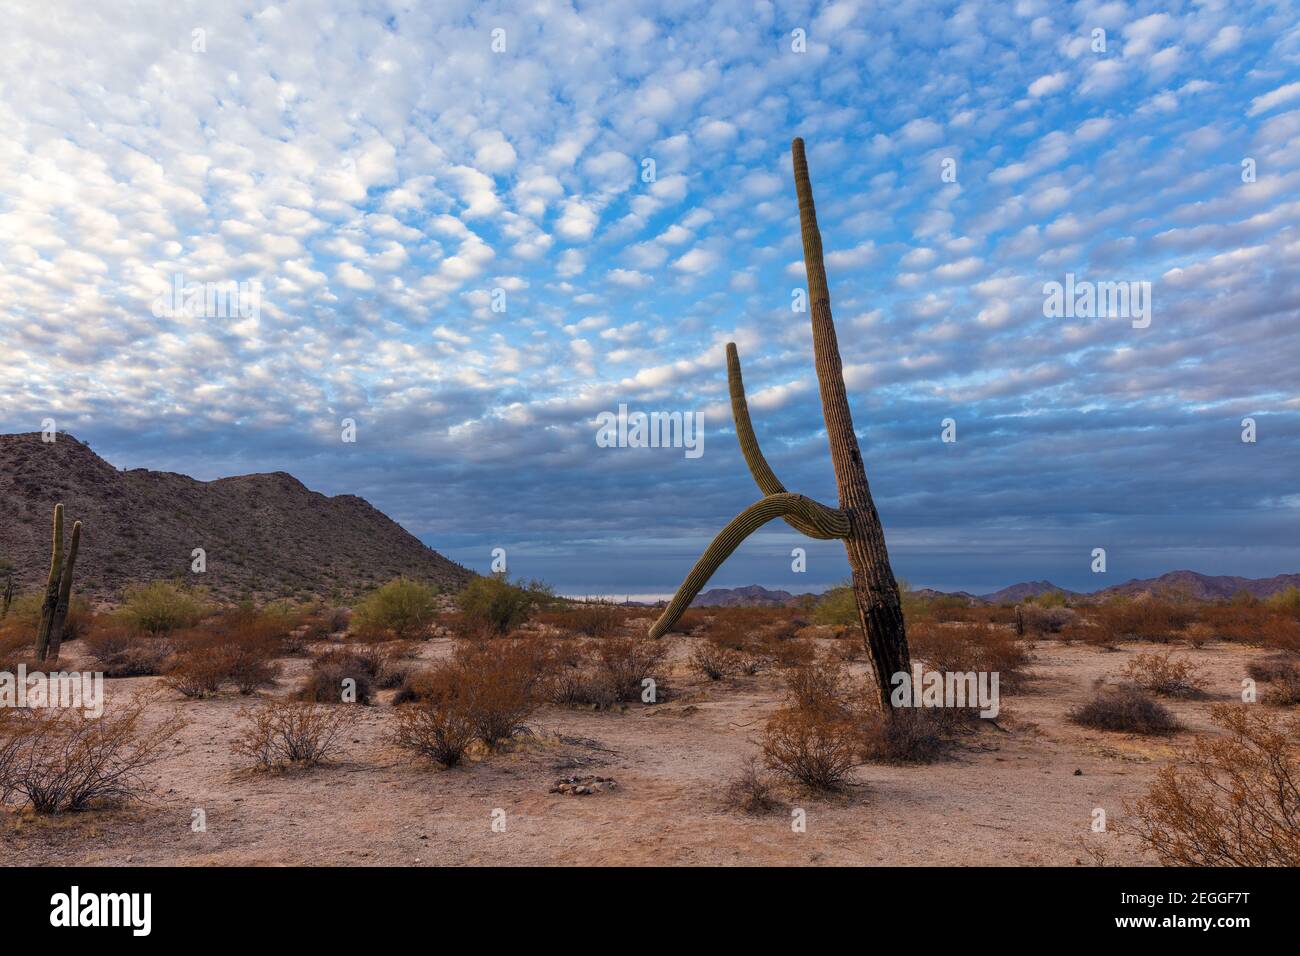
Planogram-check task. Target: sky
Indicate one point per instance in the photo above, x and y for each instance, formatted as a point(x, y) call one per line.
point(471, 229)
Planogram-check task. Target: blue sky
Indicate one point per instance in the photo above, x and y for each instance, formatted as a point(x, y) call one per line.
point(380, 171)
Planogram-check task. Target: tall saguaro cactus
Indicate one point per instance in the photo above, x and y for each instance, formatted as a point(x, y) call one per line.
point(58, 590)
point(65, 596)
point(855, 521)
point(51, 585)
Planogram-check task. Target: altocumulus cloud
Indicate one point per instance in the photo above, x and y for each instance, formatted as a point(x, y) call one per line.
point(465, 250)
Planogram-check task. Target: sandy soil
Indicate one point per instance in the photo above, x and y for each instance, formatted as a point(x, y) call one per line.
point(1023, 796)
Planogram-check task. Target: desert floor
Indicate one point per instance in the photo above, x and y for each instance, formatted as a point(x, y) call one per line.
point(1021, 795)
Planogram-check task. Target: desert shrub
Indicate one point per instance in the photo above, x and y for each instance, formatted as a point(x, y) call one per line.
point(231, 650)
point(16, 647)
point(975, 647)
point(593, 619)
point(329, 671)
point(1231, 799)
point(914, 735)
point(1125, 709)
point(58, 760)
point(289, 732)
point(1151, 619)
point(582, 687)
point(1037, 619)
point(1280, 632)
point(691, 618)
point(812, 740)
point(1287, 600)
point(249, 669)
point(402, 609)
point(1276, 667)
point(25, 615)
point(160, 608)
point(1282, 672)
point(497, 687)
point(814, 748)
point(713, 661)
point(751, 791)
point(1048, 599)
point(627, 661)
point(1161, 674)
point(796, 653)
point(199, 672)
point(439, 726)
point(119, 652)
point(494, 606)
point(836, 607)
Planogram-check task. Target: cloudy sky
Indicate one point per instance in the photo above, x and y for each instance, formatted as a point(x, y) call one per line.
point(475, 227)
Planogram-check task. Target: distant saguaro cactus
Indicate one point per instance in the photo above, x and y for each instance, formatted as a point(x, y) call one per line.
point(65, 596)
point(51, 585)
point(855, 521)
point(58, 590)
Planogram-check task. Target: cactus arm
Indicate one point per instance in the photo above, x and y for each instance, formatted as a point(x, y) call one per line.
point(830, 522)
point(65, 595)
point(764, 477)
point(51, 585)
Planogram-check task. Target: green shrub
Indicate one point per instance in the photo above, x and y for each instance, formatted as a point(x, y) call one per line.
point(160, 608)
point(402, 609)
point(837, 607)
point(494, 605)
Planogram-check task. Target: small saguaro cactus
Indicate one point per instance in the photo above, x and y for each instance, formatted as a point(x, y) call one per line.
point(65, 596)
point(58, 590)
point(51, 585)
point(855, 521)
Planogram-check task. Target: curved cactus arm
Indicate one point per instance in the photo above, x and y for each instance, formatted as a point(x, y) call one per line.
point(830, 522)
point(764, 477)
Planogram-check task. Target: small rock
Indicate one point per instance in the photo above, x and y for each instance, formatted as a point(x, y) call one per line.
point(1078, 773)
point(583, 786)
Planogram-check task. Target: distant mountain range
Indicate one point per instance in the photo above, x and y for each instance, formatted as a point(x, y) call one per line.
point(1188, 584)
point(263, 535)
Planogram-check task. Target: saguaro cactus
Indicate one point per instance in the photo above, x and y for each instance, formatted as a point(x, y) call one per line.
point(51, 585)
point(9, 591)
point(65, 596)
point(855, 521)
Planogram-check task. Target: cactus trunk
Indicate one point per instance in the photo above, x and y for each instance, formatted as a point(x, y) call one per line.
point(65, 596)
point(51, 586)
point(856, 522)
point(875, 589)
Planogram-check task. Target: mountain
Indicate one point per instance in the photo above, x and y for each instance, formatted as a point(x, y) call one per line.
point(752, 596)
point(266, 535)
point(1019, 592)
point(1203, 587)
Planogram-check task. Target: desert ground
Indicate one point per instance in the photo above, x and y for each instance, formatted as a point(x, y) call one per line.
point(1022, 792)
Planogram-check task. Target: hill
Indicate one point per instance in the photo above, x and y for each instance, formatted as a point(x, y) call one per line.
point(265, 535)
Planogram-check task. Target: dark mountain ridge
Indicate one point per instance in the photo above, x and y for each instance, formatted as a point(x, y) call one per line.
point(264, 535)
